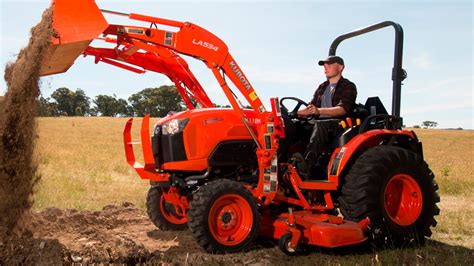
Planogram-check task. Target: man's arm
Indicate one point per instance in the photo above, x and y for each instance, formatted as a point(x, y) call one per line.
point(331, 111)
point(308, 110)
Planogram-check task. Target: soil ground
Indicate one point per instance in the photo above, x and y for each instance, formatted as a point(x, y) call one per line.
point(124, 234)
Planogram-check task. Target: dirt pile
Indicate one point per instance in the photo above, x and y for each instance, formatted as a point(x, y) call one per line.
point(82, 236)
point(117, 233)
point(18, 174)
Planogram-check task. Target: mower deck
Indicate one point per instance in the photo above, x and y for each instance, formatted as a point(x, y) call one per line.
point(317, 229)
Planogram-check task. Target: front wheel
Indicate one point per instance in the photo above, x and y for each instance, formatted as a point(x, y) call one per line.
point(284, 245)
point(162, 213)
point(394, 188)
point(223, 217)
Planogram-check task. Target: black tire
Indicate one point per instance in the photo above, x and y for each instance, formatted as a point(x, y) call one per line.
point(210, 201)
point(163, 216)
point(283, 243)
point(364, 195)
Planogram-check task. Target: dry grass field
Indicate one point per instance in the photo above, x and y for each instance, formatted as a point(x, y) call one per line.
point(83, 166)
point(450, 156)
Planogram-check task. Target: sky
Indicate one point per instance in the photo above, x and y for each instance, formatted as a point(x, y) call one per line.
point(278, 43)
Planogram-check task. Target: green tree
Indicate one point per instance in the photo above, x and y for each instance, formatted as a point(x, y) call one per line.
point(46, 107)
point(106, 105)
point(156, 101)
point(81, 103)
point(123, 108)
point(71, 103)
point(64, 98)
point(428, 124)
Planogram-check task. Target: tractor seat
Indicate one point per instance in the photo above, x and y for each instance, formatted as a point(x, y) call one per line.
point(360, 113)
point(372, 107)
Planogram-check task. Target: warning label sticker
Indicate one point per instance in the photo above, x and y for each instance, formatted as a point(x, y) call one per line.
point(253, 96)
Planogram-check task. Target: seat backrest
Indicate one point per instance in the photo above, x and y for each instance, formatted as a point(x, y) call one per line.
point(360, 112)
point(375, 107)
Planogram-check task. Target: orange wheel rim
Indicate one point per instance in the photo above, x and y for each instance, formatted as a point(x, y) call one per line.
point(230, 219)
point(170, 214)
point(403, 199)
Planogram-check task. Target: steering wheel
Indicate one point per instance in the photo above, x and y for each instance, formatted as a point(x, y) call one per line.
point(293, 113)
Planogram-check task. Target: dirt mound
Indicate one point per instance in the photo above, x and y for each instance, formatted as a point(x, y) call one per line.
point(119, 234)
point(17, 127)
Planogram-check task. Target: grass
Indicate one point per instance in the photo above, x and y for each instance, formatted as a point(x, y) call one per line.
point(449, 154)
point(83, 166)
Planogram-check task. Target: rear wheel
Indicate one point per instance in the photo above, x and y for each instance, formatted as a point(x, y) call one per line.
point(223, 216)
point(394, 188)
point(162, 213)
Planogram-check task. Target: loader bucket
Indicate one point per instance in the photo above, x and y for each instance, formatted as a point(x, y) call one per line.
point(76, 23)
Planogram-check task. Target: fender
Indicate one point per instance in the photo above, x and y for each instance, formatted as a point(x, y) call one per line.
point(342, 155)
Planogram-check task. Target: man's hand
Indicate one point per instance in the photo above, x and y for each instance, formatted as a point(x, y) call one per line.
point(313, 110)
point(309, 110)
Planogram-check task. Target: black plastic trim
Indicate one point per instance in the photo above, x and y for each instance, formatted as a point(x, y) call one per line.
point(173, 148)
point(234, 152)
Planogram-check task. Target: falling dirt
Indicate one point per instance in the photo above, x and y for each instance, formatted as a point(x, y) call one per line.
point(18, 175)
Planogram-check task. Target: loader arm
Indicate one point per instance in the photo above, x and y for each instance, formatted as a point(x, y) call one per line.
point(199, 43)
point(166, 62)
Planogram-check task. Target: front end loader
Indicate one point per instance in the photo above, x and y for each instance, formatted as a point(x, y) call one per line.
point(230, 174)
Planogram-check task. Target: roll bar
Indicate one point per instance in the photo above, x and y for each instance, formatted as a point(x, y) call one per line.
point(398, 73)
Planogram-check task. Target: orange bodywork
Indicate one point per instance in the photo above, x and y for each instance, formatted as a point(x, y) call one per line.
point(362, 141)
point(206, 129)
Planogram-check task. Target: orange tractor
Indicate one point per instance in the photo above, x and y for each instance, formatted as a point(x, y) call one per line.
point(232, 174)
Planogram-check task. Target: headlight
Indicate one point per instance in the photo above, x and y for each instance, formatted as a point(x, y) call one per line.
point(174, 126)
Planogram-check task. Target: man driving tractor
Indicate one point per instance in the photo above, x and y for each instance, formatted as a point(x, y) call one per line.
point(333, 100)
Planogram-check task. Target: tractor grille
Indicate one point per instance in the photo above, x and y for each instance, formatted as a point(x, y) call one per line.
point(167, 148)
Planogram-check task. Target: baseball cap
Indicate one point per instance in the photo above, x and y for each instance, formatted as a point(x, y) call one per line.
point(331, 59)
